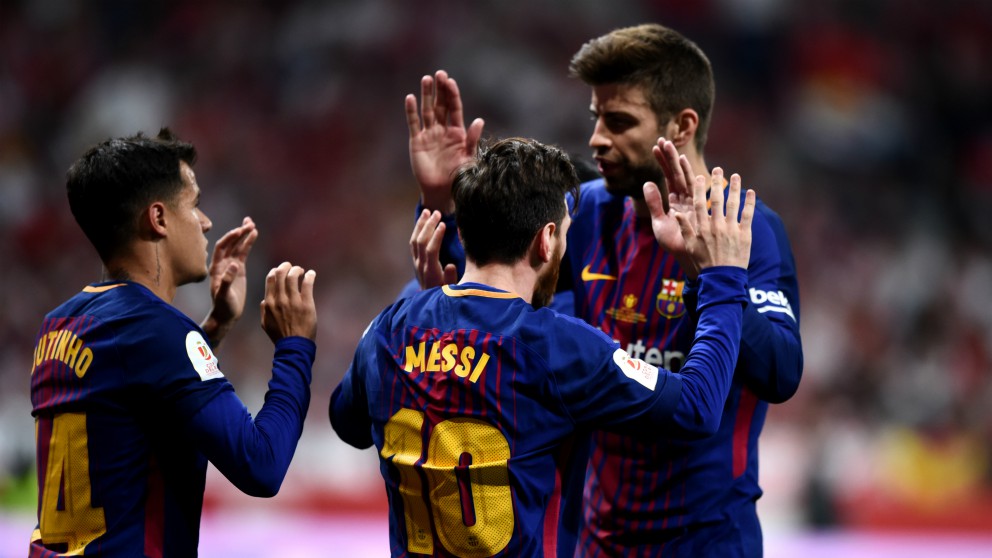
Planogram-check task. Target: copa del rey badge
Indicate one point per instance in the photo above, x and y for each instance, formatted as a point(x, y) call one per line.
point(202, 357)
point(636, 369)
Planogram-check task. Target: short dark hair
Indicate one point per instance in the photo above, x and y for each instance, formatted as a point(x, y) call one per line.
point(673, 70)
point(115, 180)
point(507, 193)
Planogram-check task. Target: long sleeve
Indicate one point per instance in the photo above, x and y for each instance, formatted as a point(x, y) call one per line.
point(254, 454)
point(771, 360)
point(709, 367)
point(348, 410)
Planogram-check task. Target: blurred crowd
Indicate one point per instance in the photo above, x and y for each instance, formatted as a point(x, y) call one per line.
point(866, 125)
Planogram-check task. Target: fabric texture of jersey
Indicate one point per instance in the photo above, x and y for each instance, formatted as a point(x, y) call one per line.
point(663, 496)
point(481, 408)
point(121, 384)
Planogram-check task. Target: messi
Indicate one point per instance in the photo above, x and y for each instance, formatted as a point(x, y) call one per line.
point(445, 357)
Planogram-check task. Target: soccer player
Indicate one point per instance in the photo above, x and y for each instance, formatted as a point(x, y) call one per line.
point(480, 402)
point(660, 496)
point(128, 396)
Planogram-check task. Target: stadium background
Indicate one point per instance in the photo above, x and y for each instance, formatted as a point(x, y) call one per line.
point(867, 125)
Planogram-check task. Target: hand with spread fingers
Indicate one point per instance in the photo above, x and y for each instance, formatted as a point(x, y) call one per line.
point(714, 236)
point(228, 285)
point(439, 141)
point(425, 247)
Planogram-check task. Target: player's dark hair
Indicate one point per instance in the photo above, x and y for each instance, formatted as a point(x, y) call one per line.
point(115, 180)
point(509, 192)
point(673, 70)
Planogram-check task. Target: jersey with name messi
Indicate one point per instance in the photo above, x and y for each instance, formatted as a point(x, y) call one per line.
point(642, 496)
point(117, 373)
point(481, 408)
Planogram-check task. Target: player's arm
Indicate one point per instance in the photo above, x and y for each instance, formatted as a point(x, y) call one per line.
point(348, 410)
point(771, 359)
point(628, 395)
point(689, 403)
point(719, 246)
point(255, 453)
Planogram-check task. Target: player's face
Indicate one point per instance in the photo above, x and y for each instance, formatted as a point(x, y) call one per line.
point(188, 237)
point(547, 281)
point(626, 128)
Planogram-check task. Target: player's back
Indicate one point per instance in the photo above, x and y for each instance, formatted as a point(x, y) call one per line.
point(480, 407)
point(109, 384)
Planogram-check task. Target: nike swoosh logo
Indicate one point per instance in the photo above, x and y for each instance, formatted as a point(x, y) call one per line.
point(590, 276)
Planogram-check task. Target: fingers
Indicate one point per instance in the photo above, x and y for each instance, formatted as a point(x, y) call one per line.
point(653, 199)
point(453, 103)
point(413, 123)
point(437, 237)
point(473, 135)
point(699, 201)
point(686, 167)
point(306, 286)
point(239, 240)
point(450, 274)
point(417, 230)
point(685, 225)
point(286, 283)
point(747, 215)
point(431, 222)
point(733, 199)
point(442, 96)
point(675, 167)
point(427, 100)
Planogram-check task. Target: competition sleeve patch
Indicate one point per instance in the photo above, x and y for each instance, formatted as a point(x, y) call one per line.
point(202, 357)
point(636, 369)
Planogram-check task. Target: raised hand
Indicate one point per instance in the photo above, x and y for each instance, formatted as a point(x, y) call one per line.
point(673, 193)
point(425, 245)
point(228, 286)
point(715, 237)
point(288, 308)
point(439, 142)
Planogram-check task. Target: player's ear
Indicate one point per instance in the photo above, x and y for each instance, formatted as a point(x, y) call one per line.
point(154, 220)
point(682, 128)
point(542, 247)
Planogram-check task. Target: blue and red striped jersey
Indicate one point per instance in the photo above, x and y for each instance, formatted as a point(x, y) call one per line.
point(129, 404)
point(663, 496)
point(481, 408)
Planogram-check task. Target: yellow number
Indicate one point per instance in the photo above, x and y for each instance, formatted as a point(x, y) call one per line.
point(403, 443)
point(477, 528)
point(77, 522)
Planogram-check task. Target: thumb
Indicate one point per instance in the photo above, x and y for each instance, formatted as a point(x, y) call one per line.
point(652, 197)
point(450, 274)
point(226, 280)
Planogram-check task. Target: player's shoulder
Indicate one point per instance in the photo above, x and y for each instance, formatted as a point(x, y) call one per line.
point(567, 334)
point(128, 306)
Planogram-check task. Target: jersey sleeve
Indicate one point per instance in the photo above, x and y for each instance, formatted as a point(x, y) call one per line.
point(169, 362)
point(601, 386)
point(771, 360)
point(348, 410)
point(254, 454)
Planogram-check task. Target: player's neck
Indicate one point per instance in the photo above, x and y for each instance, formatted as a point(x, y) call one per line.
point(518, 278)
point(146, 266)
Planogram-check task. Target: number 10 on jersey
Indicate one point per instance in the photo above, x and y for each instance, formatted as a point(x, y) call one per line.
point(465, 465)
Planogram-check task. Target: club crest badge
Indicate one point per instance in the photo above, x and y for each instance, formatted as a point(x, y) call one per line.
point(669, 303)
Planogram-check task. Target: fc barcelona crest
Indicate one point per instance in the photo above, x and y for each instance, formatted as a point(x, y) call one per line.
point(669, 302)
